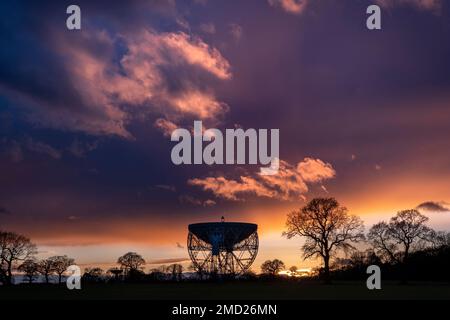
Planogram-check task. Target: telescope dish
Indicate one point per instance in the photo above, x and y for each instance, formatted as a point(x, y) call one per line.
point(226, 248)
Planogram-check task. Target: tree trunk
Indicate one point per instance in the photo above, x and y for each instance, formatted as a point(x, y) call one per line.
point(326, 269)
point(46, 278)
point(59, 278)
point(9, 273)
point(405, 267)
point(8, 281)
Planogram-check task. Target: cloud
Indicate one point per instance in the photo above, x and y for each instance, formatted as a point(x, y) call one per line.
point(196, 103)
point(208, 28)
point(426, 5)
point(98, 89)
point(167, 260)
point(166, 187)
point(290, 6)
point(43, 148)
point(290, 183)
point(165, 126)
point(187, 199)
point(197, 52)
point(434, 206)
point(179, 246)
point(315, 170)
point(209, 203)
point(236, 31)
point(15, 149)
point(80, 149)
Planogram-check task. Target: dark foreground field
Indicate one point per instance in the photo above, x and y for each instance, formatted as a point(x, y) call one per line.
point(229, 290)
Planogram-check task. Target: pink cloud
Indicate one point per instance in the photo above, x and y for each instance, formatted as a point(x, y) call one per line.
point(290, 183)
point(236, 31)
point(315, 170)
point(110, 93)
point(165, 126)
point(290, 6)
point(197, 52)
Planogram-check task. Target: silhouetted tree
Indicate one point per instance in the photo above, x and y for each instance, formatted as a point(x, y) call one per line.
point(60, 265)
point(131, 261)
point(176, 270)
point(248, 275)
point(116, 272)
point(30, 268)
point(293, 270)
point(46, 268)
point(272, 267)
point(135, 275)
point(327, 227)
point(13, 249)
point(440, 239)
point(93, 274)
point(405, 233)
point(156, 274)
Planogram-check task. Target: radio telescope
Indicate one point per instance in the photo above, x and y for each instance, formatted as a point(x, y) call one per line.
point(224, 248)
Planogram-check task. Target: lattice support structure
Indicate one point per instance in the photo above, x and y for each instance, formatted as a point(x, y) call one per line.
point(219, 257)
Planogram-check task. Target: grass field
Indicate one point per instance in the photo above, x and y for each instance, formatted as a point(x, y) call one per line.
point(229, 290)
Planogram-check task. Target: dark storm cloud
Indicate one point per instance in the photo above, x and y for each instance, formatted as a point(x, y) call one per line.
point(90, 80)
point(434, 206)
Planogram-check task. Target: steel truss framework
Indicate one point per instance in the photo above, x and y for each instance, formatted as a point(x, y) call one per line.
point(234, 260)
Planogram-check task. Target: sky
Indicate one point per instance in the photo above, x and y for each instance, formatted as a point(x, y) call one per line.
point(86, 117)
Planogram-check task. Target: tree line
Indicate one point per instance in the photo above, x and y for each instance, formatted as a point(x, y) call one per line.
point(18, 253)
point(401, 244)
point(405, 246)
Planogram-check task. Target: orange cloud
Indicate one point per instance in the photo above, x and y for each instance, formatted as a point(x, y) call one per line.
point(290, 6)
point(165, 126)
point(289, 183)
point(195, 51)
point(142, 80)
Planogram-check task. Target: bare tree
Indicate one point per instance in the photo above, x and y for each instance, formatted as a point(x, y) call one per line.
point(93, 274)
point(60, 265)
point(116, 272)
point(131, 261)
point(30, 268)
point(272, 267)
point(46, 268)
point(405, 233)
point(13, 249)
point(176, 270)
point(293, 270)
point(327, 227)
point(440, 239)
